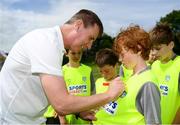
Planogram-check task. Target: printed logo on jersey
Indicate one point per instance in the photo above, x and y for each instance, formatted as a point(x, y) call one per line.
point(111, 107)
point(77, 89)
point(68, 80)
point(164, 89)
point(84, 79)
point(167, 78)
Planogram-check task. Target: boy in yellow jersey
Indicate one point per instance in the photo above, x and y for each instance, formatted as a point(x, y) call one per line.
point(107, 62)
point(167, 70)
point(79, 81)
point(140, 104)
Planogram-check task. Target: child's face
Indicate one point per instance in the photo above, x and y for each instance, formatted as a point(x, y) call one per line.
point(108, 72)
point(163, 51)
point(75, 56)
point(128, 58)
point(152, 55)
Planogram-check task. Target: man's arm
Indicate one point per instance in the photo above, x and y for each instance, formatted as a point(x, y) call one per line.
point(64, 103)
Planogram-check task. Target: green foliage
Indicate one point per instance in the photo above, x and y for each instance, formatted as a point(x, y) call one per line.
point(173, 19)
point(105, 41)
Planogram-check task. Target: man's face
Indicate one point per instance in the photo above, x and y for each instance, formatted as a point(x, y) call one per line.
point(85, 37)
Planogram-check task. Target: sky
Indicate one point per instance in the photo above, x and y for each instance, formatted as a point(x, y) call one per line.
point(17, 17)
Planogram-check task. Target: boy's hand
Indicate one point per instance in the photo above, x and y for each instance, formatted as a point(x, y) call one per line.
point(88, 115)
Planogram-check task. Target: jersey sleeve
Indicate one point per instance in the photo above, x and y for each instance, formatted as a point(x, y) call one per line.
point(93, 86)
point(148, 103)
point(121, 71)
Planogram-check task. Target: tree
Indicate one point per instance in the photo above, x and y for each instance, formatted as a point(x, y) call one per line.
point(105, 41)
point(173, 19)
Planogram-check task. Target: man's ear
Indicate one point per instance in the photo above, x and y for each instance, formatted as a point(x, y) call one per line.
point(78, 24)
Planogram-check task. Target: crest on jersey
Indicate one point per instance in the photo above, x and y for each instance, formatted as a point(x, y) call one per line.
point(84, 78)
point(167, 78)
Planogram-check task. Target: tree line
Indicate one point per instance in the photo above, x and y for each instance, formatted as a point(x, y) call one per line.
point(106, 41)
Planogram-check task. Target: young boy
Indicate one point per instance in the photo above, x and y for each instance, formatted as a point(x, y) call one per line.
point(167, 70)
point(107, 62)
point(79, 81)
point(141, 102)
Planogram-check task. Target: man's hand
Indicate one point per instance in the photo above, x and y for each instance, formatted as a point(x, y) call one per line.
point(88, 115)
point(116, 88)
